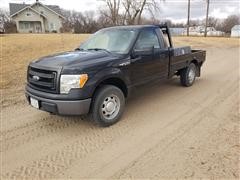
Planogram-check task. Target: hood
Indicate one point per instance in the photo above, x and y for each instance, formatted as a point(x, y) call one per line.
point(75, 58)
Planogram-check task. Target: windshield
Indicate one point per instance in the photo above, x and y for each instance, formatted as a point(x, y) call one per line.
point(112, 40)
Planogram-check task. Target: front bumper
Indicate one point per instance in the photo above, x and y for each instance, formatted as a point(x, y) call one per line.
point(62, 107)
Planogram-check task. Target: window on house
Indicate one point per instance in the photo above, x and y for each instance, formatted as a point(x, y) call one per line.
point(52, 26)
point(28, 14)
point(26, 25)
point(21, 25)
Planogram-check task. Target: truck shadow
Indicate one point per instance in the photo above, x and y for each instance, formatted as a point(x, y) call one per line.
point(142, 97)
point(145, 93)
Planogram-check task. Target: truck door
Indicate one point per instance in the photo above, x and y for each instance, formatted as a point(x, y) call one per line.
point(163, 54)
point(148, 64)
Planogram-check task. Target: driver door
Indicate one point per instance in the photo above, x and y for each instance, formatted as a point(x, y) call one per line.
point(145, 66)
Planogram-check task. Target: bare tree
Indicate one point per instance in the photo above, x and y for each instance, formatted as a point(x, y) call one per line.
point(103, 21)
point(149, 21)
point(80, 22)
point(67, 23)
point(229, 22)
point(141, 11)
point(212, 22)
point(195, 22)
point(135, 9)
point(113, 11)
point(132, 10)
point(6, 24)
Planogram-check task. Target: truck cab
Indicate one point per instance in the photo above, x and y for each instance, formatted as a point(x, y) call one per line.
point(99, 75)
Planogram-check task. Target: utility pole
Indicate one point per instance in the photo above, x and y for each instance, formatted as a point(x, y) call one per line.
point(188, 19)
point(206, 23)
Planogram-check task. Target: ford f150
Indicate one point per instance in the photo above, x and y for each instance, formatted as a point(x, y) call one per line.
point(99, 75)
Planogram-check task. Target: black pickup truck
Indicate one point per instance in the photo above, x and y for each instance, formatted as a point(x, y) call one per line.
point(98, 76)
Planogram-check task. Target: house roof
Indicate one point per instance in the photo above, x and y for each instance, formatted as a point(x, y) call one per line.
point(15, 7)
point(236, 28)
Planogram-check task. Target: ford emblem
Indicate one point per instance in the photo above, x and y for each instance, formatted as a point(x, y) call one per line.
point(36, 78)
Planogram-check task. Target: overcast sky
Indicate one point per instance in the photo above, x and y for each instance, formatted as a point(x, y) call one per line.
point(175, 10)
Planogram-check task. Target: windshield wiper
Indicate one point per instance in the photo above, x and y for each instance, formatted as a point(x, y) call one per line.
point(100, 49)
point(79, 49)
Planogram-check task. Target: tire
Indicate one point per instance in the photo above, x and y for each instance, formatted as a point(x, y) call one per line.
point(108, 105)
point(188, 75)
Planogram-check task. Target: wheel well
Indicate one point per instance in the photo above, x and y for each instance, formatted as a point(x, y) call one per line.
point(195, 62)
point(198, 66)
point(115, 82)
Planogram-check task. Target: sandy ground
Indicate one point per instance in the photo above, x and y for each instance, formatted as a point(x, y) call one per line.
point(167, 131)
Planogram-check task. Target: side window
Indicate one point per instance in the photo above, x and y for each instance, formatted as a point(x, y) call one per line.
point(146, 39)
point(163, 42)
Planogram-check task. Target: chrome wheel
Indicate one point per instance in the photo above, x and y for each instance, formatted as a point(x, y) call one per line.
point(110, 107)
point(191, 75)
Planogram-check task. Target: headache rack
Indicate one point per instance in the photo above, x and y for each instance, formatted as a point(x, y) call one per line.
point(165, 29)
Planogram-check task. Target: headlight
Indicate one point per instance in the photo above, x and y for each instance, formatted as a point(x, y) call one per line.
point(67, 82)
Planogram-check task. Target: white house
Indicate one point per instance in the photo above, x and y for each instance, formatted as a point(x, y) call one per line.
point(177, 31)
point(36, 17)
point(199, 31)
point(235, 31)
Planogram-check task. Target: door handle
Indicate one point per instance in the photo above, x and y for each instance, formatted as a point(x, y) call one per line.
point(162, 55)
point(135, 59)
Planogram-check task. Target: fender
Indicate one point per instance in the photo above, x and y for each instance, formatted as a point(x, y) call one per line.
point(110, 72)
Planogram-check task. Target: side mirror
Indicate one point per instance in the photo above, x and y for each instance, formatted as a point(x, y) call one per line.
point(146, 51)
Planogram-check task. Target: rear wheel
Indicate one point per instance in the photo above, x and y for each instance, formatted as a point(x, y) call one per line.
point(108, 105)
point(188, 75)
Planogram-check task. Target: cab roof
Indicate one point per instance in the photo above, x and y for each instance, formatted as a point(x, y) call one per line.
point(133, 27)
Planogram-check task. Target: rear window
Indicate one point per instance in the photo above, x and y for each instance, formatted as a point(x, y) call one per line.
point(163, 38)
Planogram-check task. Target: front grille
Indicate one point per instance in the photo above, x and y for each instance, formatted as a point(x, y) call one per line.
point(41, 79)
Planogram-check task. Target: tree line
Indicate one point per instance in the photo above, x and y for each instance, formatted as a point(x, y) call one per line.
point(86, 22)
point(126, 12)
point(116, 12)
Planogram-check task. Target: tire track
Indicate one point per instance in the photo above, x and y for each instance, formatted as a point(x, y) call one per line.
point(43, 146)
point(49, 125)
point(136, 168)
point(70, 149)
point(35, 170)
point(33, 130)
point(104, 171)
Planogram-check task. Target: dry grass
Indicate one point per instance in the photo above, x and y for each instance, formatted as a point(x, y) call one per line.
point(20, 49)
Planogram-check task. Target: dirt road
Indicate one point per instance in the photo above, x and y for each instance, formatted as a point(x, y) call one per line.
point(167, 131)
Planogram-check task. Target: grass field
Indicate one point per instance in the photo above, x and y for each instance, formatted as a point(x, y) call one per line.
point(18, 50)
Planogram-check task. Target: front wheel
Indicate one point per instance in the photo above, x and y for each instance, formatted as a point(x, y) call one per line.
point(188, 75)
point(108, 105)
